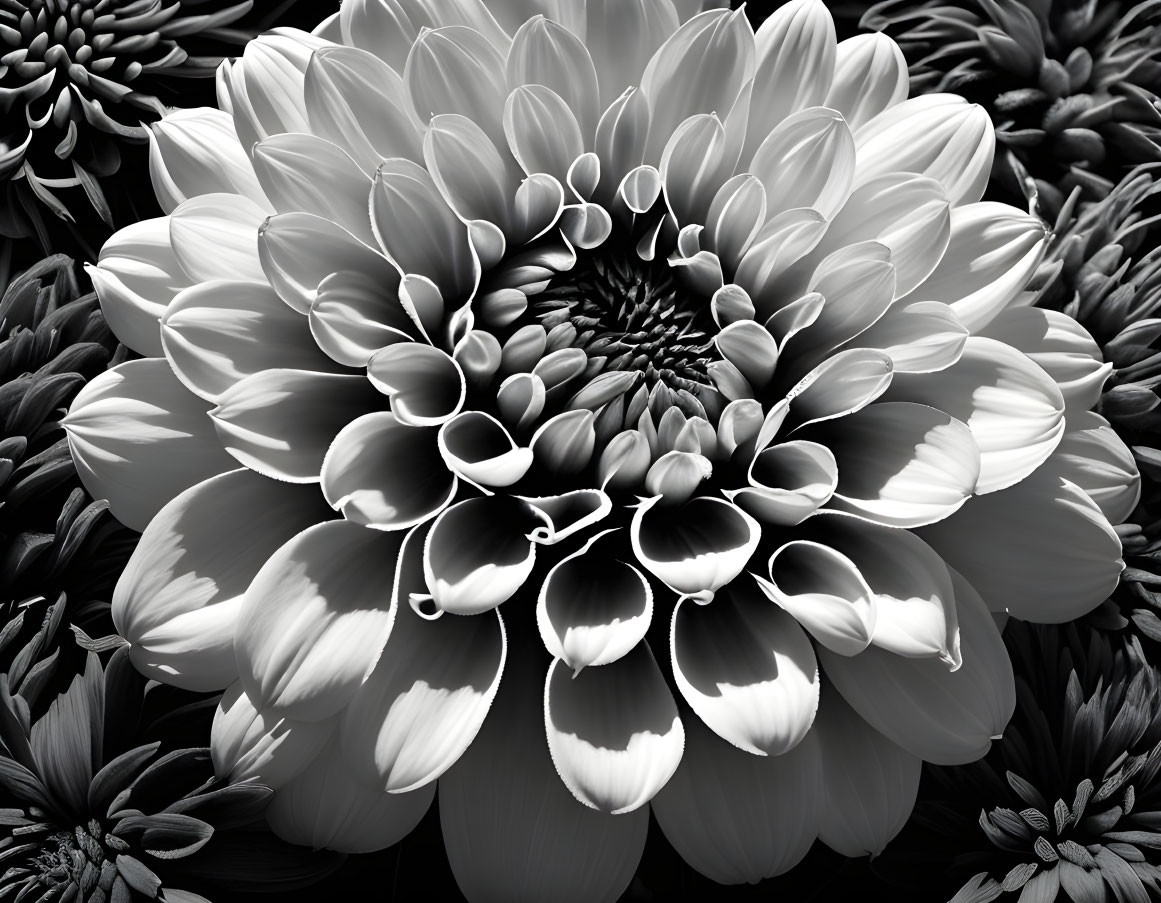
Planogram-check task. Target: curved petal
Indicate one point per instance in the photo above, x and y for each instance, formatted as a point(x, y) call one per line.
point(382, 473)
point(136, 276)
point(788, 482)
point(941, 716)
point(475, 180)
point(739, 818)
point(992, 253)
point(921, 337)
point(825, 592)
point(746, 669)
point(902, 464)
point(281, 422)
point(613, 732)
point(621, 37)
point(476, 446)
point(215, 334)
point(858, 282)
point(807, 160)
point(548, 54)
point(511, 829)
point(424, 703)
point(351, 318)
point(593, 610)
point(426, 385)
point(871, 783)
point(455, 69)
point(215, 236)
point(565, 514)
point(478, 555)
point(315, 618)
point(870, 76)
point(1096, 459)
point(265, 87)
point(251, 745)
point(542, 131)
point(843, 384)
point(200, 552)
point(1013, 408)
point(138, 437)
point(937, 135)
point(1041, 550)
point(325, 807)
point(696, 548)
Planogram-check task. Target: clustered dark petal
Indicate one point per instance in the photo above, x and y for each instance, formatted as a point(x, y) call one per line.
point(1103, 268)
point(1072, 87)
point(79, 82)
point(102, 803)
point(1068, 804)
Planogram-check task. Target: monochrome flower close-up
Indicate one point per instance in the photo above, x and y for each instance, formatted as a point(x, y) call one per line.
point(596, 408)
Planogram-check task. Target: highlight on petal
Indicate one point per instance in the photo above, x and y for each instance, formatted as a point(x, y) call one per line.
point(825, 592)
point(870, 76)
point(385, 474)
point(215, 236)
point(592, 610)
point(1040, 550)
point(1013, 408)
point(739, 818)
point(546, 53)
point(613, 732)
point(426, 385)
point(808, 160)
point(1096, 459)
point(476, 446)
point(789, 481)
point(746, 669)
point(476, 180)
point(477, 554)
point(136, 276)
point(352, 316)
point(265, 87)
point(697, 548)
point(901, 464)
point(871, 783)
point(217, 333)
point(542, 131)
point(422, 706)
point(326, 807)
point(281, 422)
point(251, 745)
point(921, 337)
point(511, 828)
point(198, 555)
point(138, 438)
point(941, 716)
point(455, 69)
point(315, 619)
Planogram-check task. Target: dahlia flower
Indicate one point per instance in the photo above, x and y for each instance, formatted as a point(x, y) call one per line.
point(78, 77)
point(1065, 806)
point(1073, 87)
point(665, 377)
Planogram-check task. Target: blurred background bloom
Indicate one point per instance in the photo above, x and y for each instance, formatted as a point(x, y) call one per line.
point(1072, 87)
point(79, 82)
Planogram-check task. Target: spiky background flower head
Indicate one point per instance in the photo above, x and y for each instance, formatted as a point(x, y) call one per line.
point(650, 364)
point(1103, 268)
point(79, 78)
point(1065, 806)
point(1072, 86)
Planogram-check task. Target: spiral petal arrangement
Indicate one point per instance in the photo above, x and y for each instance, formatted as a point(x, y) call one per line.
point(558, 406)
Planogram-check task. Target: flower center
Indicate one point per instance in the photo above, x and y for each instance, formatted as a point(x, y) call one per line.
point(631, 315)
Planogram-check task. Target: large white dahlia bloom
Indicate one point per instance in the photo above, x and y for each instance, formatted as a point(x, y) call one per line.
point(665, 377)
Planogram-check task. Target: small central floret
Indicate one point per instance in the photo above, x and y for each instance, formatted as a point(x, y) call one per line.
point(632, 314)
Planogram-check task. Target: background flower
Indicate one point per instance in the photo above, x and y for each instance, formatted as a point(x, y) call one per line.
point(1072, 87)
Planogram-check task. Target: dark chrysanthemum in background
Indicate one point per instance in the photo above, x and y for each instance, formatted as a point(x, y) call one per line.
point(1066, 805)
point(1103, 268)
point(96, 809)
point(1071, 86)
point(80, 78)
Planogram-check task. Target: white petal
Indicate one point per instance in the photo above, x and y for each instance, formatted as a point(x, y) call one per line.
point(781, 243)
point(511, 829)
point(841, 385)
point(425, 701)
point(621, 37)
point(542, 131)
point(325, 807)
point(858, 282)
point(248, 744)
point(788, 482)
point(217, 333)
point(138, 437)
point(746, 668)
point(194, 152)
point(456, 70)
point(476, 181)
point(201, 551)
point(903, 464)
point(693, 167)
point(921, 337)
point(936, 135)
point(1041, 550)
point(477, 447)
point(871, 783)
point(613, 732)
point(808, 160)
point(941, 716)
point(1096, 459)
point(796, 57)
point(350, 319)
point(388, 28)
point(736, 213)
point(993, 251)
point(265, 87)
point(385, 474)
point(215, 236)
point(870, 75)
point(426, 385)
point(280, 422)
point(136, 277)
point(740, 818)
point(546, 53)
point(621, 133)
